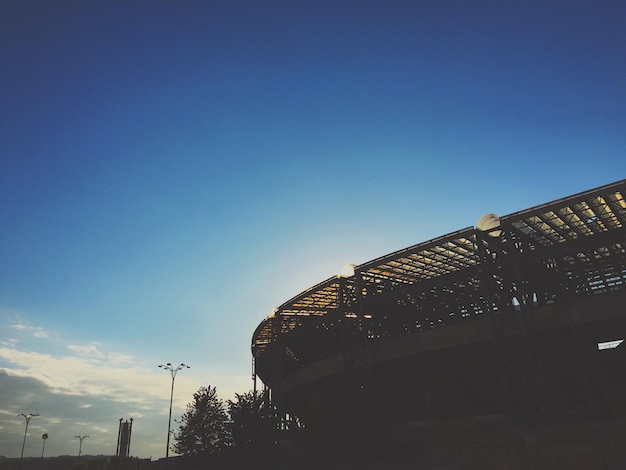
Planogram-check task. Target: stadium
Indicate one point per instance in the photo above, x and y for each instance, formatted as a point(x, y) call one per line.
point(482, 348)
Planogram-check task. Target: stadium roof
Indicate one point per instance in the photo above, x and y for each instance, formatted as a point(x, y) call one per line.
point(561, 225)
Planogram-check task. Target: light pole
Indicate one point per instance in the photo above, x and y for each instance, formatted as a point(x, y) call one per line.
point(44, 437)
point(173, 370)
point(27, 417)
point(80, 446)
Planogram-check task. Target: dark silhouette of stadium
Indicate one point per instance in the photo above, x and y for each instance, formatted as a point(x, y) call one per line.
point(504, 334)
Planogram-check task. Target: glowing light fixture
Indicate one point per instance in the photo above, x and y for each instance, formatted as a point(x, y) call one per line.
point(347, 270)
point(489, 222)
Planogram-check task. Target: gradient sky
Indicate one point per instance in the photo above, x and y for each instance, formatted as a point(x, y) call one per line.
point(170, 171)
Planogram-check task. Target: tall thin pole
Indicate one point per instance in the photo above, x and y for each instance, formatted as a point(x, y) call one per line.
point(80, 446)
point(27, 417)
point(43, 448)
point(169, 421)
point(130, 434)
point(119, 438)
point(173, 371)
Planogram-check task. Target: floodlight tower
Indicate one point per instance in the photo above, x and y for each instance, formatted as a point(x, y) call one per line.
point(27, 417)
point(80, 446)
point(173, 371)
point(123, 437)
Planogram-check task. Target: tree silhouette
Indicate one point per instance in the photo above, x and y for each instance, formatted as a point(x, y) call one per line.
point(253, 422)
point(204, 426)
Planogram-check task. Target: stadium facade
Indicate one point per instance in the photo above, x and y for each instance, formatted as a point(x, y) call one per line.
point(516, 323)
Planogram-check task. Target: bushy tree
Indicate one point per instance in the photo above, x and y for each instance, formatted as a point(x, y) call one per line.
point(253, 422)
point(204, 426)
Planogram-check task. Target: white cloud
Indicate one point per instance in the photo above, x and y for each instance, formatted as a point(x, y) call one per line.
point(84, 376)
point(36, 331)
point(118, 359)
point(86, 350)
point(9, 342)
point(84, 388)
point(86, 391)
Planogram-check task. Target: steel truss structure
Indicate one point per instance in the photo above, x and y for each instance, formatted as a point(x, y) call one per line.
point(501, 321)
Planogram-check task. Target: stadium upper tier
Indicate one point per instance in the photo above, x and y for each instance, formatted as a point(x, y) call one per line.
point(558, 251)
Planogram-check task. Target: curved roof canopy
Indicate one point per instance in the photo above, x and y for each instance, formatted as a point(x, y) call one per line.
point(556, 229)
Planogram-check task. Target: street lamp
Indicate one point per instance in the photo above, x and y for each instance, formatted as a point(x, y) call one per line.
point(44, 437)
point(80, 446)
point(173, 370)
point(27, 417)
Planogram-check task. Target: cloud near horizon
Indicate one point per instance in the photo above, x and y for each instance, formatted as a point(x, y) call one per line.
point(82, 389)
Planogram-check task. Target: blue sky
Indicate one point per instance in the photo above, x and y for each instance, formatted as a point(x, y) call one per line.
point(172, 170)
